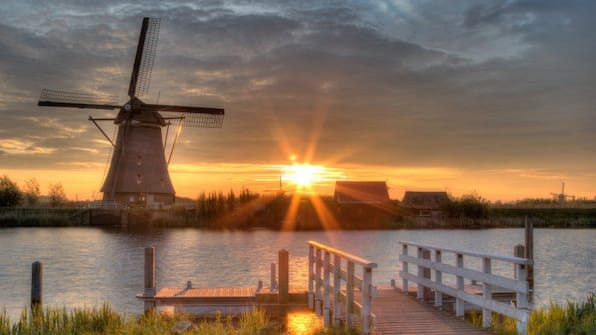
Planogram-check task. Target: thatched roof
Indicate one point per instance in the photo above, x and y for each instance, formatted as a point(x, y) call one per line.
point(361, 192)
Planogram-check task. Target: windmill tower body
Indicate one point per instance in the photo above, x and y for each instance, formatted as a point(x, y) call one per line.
point(138, 173)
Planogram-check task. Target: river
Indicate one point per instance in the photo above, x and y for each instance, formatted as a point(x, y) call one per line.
point(88, 266)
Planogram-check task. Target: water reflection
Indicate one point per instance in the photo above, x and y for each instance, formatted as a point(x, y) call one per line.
point(87, 266)
point(302, 323)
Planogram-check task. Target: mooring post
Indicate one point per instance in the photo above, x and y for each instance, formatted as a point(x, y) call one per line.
point(284, 275)
point(149, 278)
point(529, 242)
point(36, 284)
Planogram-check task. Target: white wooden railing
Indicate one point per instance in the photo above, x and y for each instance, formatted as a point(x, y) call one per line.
point(518, 284)
point(325, 278)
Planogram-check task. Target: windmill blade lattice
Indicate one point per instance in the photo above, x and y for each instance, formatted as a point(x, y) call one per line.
point(196, 120)
point(148, 58)
point(80, 100)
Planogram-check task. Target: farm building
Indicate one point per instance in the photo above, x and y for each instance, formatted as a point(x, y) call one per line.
point(425, 203)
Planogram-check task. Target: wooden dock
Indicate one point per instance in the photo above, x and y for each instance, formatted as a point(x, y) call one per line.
point(399, 313)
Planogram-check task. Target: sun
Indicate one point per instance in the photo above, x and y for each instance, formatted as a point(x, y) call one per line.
point(303, 175)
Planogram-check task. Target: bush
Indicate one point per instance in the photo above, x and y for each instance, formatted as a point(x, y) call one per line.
point(10, 195)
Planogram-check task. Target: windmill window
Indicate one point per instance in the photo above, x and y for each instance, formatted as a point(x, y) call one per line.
point(139, 178)
point(139, 160)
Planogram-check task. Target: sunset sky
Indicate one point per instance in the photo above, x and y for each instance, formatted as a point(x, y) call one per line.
point(493, 97)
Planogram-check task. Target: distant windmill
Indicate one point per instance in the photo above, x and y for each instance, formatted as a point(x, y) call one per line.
point(138, 173)
point(562, 197)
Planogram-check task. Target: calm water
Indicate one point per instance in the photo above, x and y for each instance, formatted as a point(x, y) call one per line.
point(87, 266)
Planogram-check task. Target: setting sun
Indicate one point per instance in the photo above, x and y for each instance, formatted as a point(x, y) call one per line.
point(304, 175)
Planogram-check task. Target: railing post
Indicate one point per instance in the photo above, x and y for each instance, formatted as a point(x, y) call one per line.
point(404, 269)
point(426, 275)
point(459, 303)
point(529, 254)
point(486, 293)
point(350, 294)
point(438, 280)
point(284, 276)
point(326, 289)
point(311, 303)
point(149, 278)
point(36, 284)
point(336, 288)
point(521, 298)
point(366, 299)
point(318, 281)
point(419, 287)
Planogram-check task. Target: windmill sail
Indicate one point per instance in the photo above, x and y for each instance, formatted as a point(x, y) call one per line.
point(195, 120)
point(145, 56)
point(55, 98)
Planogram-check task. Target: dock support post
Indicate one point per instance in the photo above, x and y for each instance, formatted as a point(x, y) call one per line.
point(487, 293)
point(336, 288)
point(326, 289)
point(350, 294)
point(149, 278)
point(426, 275)
point(459, 303)
point(36, 284)
point(404, 269)
point(521, 298)
point(438, 280)
point(311, 291)
point(529, 254)
point(318, 281)
point(284, 275)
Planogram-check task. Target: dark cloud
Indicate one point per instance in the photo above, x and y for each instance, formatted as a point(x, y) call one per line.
point(458, 84)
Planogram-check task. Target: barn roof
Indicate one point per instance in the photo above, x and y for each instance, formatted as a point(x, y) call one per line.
point(361, 192)
point(424, 200)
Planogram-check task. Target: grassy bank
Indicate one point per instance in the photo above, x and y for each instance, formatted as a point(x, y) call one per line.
point(104, 320)
point(574, 318)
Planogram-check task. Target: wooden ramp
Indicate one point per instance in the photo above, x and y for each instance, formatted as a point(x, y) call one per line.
point(399, 313)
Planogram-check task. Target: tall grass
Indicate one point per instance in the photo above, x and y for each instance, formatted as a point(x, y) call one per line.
point(574, 318)
point(103, 320)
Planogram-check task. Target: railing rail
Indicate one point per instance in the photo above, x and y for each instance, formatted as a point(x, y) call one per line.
point(325, 277)
point(519, 284)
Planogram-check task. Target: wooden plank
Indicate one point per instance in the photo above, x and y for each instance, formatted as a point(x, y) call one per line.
point(210, 292)
point(398, 313)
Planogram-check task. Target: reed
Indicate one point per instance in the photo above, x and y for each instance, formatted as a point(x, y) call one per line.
point(574, 318)
point(103, 320)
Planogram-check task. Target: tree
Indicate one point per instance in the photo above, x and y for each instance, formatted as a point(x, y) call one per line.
point(57, 195)
point(31, 191)
point(10, 195)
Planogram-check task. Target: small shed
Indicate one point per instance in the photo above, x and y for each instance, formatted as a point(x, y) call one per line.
point(425, 203)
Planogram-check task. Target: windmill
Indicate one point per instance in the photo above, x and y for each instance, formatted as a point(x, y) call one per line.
point(562, 197)
point(138, 173)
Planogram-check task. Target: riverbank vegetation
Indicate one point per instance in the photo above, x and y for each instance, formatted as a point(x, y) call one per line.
point(26, 207)
point(104, 320)
point(578, 318)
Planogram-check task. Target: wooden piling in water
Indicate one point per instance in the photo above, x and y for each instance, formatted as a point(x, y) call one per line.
point(149, 278)
point(36, 284)
point(284, 276)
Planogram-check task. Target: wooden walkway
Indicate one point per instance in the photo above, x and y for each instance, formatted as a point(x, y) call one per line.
point(398, 313)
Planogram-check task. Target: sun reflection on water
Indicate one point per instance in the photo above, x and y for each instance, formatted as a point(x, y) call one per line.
point(303, 323)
